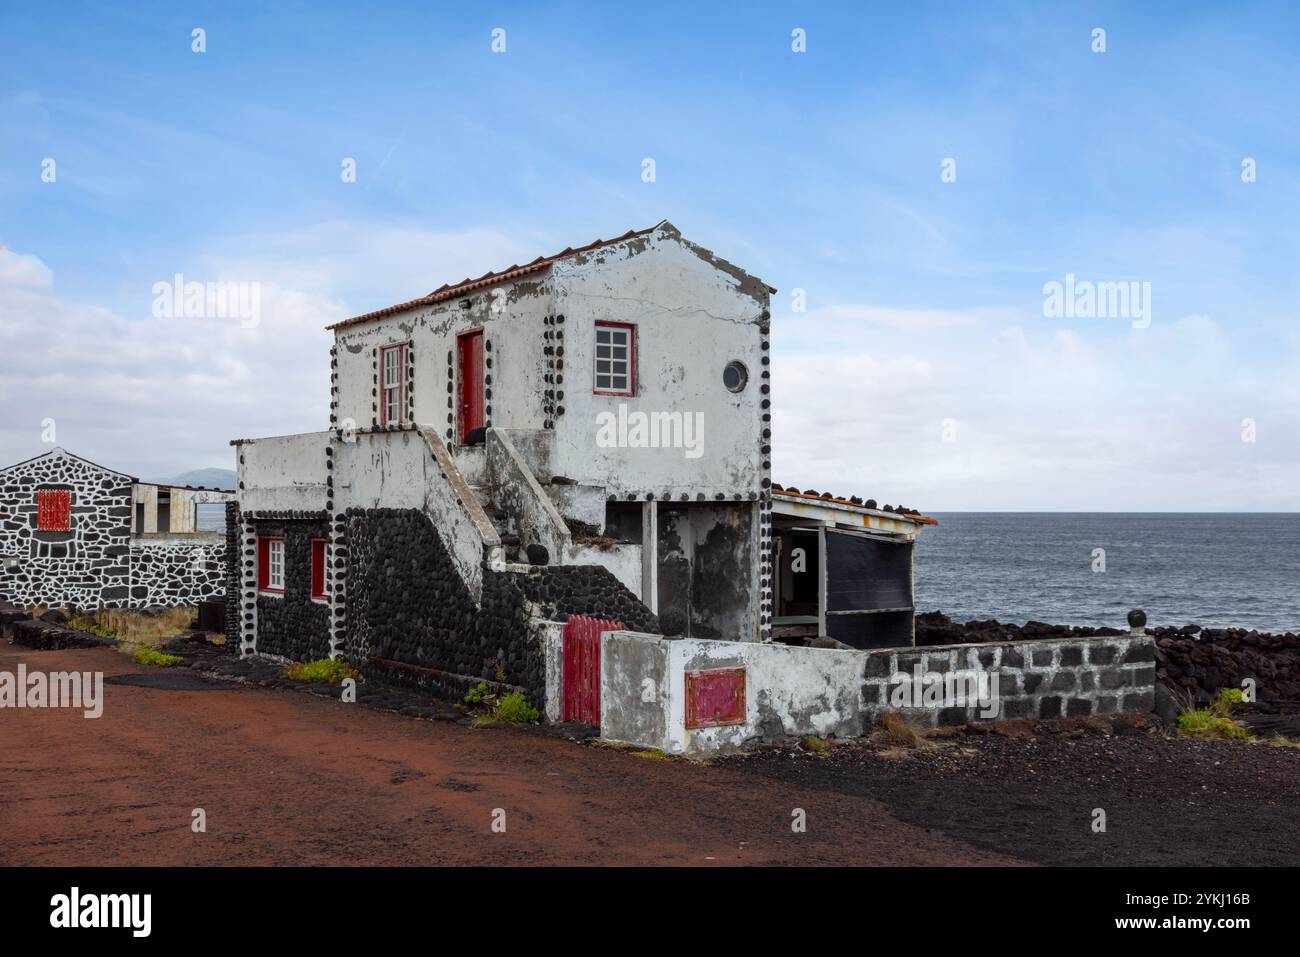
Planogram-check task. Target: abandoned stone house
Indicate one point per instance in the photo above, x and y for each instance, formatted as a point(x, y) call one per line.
point(584, 437)
point(76, 533)
point(593, 427)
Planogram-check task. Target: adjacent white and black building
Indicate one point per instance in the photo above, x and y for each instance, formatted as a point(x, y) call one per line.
point(76, 533)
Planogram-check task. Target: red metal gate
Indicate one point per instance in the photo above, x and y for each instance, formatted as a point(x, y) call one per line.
point(582, 667)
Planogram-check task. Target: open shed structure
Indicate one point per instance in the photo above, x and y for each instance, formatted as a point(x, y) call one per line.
point(845, 569)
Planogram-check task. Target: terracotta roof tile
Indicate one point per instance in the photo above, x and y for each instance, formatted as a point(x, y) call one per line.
point(455, 290)
point(910, 514)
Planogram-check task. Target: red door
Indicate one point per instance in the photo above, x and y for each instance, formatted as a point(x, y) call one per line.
point(469, 346)
point(582, 667)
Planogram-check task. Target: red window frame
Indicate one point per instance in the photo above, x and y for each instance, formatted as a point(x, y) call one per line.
point(319, 554)
point(264, 564)
point(631, 358)
point(384, 384)
point(53, 510)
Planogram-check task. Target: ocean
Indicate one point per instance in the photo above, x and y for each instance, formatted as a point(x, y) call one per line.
point(1214, 570)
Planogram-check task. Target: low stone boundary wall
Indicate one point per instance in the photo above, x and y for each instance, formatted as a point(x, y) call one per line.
point(1052, 678)
point(45, 636)
point(9, 615)
point(654, 690)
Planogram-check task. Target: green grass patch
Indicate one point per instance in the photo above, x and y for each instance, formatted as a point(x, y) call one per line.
point(1208, 723)
point(155, 659)
point(515, 709)
point(1226, 699)
point(816, 745)
point(92, 626)
point(650, 755)
point(329, 670)
point(1215, 721)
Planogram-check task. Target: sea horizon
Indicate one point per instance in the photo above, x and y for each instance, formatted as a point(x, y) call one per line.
point(1212, 569)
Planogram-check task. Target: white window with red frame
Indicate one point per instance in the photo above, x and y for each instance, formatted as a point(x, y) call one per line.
point(615, 362)
point(392, 384)
point(270, 565)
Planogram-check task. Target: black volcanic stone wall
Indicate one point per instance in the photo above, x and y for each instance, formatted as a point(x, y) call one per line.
point(564, 590)
point(411, 618)
point(233, 578)
point(292, 625)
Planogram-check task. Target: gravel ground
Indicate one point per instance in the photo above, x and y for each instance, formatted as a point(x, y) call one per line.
point(1030, 790)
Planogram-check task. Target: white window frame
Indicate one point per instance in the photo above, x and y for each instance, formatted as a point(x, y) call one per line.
point(392, 395)
point(274, 564)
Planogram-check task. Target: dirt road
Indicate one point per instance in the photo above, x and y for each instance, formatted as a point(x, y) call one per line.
point(287, 778)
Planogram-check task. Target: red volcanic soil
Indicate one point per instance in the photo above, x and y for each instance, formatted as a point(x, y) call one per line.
point(302, 779)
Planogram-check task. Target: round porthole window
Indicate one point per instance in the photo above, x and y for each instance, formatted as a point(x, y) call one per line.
point(735, 376)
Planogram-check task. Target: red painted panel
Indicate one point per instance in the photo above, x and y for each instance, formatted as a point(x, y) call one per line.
point(582, 667)
point(53, 510)
point(469, 346)
point(715, 698)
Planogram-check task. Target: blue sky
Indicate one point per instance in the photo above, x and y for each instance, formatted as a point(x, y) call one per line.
point(818, 171)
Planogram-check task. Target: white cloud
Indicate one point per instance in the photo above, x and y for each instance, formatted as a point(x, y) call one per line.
point(22, 270)
point(1046, 415)
point(157, 396)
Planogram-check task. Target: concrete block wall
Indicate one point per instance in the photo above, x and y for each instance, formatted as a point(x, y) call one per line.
point(795, 691)
point(1035, 679)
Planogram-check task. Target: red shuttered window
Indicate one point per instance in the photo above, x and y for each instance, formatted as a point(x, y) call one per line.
point(318, 569)
point(53, 510)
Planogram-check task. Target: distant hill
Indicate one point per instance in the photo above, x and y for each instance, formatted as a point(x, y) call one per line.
point(208, 478)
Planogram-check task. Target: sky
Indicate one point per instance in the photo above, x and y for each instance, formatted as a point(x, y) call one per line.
point(911, 181)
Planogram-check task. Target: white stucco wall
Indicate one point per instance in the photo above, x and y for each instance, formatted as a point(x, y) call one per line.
point(691, 319)
point(623, 561)
point(283, 473)
point(404, 470)
point(789, 691)
point(511, 317)
point(693, 314)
